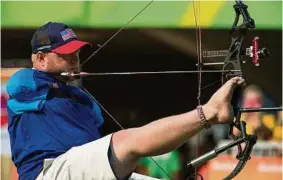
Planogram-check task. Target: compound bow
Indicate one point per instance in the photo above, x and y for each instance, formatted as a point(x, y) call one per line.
point(231, 68)
point(233, 60)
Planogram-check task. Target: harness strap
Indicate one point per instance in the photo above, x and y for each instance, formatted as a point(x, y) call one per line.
point(60, 93)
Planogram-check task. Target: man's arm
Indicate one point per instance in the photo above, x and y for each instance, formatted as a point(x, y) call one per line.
point(166, 134)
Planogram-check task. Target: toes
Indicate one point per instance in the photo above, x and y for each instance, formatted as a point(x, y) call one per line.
point(236, 81)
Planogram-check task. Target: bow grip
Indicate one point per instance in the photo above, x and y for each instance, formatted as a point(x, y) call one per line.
point(235, 101)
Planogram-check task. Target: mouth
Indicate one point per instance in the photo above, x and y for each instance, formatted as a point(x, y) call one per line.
point(73, 70)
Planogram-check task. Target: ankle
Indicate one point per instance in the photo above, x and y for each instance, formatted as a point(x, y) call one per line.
point(210, 113)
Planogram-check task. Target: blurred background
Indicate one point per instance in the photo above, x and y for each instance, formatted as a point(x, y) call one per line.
point(161, 38)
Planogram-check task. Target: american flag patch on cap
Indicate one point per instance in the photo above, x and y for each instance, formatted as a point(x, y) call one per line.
point(67, 34)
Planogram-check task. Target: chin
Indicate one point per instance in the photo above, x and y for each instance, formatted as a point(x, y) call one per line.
point(70, 79)
point(67, 78)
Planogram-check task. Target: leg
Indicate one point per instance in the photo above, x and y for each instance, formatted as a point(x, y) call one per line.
point(87, 162)
point(90, 161)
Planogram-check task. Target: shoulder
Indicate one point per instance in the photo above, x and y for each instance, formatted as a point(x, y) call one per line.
point(22, 73)
point(21, 81)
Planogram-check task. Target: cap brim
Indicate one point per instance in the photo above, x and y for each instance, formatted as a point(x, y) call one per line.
point(70, 47)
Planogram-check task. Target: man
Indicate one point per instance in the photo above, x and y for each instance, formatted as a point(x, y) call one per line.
point(54, 127)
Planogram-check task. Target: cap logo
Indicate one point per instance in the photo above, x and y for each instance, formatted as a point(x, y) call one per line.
point(44, 47)
point(67, 34)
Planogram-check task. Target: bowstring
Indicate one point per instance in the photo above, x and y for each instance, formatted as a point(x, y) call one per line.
point(95, 52)
point(196, 8)
point(115, 34)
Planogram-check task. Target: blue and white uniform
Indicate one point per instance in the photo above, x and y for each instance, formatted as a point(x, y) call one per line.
point(42, 125)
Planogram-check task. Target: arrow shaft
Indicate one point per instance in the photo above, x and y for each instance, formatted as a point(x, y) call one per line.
point(148, 72)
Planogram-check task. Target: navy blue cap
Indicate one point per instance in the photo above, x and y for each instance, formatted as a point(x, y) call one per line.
point(56, 37)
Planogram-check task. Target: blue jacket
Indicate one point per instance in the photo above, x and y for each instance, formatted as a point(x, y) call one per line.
point(42, 125)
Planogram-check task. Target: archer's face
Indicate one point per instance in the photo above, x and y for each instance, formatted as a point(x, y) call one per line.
point(57, 63)
point(63, 62)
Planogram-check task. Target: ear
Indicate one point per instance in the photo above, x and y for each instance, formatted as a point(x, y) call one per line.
point(40, 57)
point(39, 60)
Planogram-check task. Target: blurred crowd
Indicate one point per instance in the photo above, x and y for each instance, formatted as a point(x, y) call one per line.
point(267, 126)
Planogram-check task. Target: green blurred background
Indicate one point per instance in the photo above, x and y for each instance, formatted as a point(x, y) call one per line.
point(113, 14)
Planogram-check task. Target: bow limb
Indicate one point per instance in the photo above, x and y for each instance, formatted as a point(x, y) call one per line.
point(233, 61)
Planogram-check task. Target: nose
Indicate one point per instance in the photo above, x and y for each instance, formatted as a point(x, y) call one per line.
point(74, 60)
point(71, 58)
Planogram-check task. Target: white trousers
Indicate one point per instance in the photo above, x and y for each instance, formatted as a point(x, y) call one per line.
point(86, 162)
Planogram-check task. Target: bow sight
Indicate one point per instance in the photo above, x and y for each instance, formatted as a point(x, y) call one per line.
point(238, 33)
point(254, 51)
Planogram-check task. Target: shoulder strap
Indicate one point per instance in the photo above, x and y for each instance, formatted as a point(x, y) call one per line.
point(60, 93)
